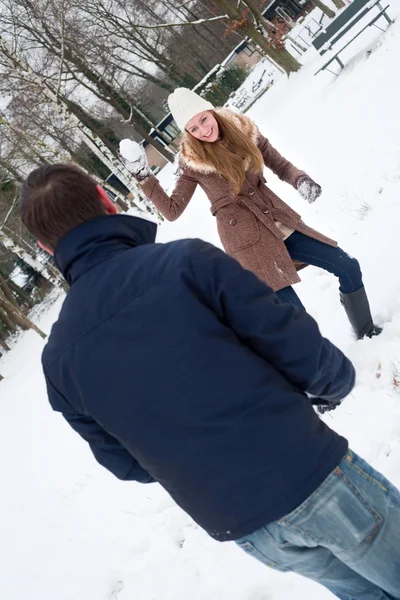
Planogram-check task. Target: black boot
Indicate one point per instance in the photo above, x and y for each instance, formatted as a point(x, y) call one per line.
point(358, 312)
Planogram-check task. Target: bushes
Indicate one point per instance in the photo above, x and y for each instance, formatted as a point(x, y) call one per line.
point(221, 82)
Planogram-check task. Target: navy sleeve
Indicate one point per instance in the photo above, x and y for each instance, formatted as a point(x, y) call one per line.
point(106, 449)
point(286, 337)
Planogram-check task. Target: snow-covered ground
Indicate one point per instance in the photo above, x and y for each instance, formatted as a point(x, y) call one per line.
point(69, 530)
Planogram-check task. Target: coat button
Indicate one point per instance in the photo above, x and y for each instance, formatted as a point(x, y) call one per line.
point(265, 211)
point(233, 221)
point(251, 192)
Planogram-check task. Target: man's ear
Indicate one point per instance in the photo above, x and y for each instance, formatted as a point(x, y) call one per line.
point(45, 248)
point(106, 201)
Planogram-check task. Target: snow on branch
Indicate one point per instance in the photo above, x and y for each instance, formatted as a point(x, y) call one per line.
point(61, 57)
point(14, 202)
point(167, 25)
point(183, 4)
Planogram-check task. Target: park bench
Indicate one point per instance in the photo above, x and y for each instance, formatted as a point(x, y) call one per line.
point(343, 23)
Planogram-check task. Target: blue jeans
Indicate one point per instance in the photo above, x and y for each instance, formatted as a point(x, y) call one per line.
point(345, 536)
point(335, 260)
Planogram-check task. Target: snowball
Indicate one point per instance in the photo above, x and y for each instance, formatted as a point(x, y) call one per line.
point(131, 150)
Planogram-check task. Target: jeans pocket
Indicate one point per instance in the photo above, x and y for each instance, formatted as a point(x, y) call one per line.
point(251, 550)
point(365, 470)
point(338, 515)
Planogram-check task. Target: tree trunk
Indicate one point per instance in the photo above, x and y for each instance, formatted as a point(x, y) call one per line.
point(3, 343)
point(8, 322)
point(106, 89)
point(120, 104)
point(258, 16)
point(5, 347)
point(26, 299)
point(282, 58)
point(325, 9)
point(15, 248)
point(87, 136)
point(10, 169)
point(7, 292)
point(20, 319)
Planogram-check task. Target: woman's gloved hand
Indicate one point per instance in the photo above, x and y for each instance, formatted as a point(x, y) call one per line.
point(134, 156)
point(308, 189)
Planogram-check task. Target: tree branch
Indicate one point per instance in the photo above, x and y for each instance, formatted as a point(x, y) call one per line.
point(61, 56)
point(14, 202)
point(169, 25)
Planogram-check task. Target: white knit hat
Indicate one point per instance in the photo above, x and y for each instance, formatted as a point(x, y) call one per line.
point(185, 104)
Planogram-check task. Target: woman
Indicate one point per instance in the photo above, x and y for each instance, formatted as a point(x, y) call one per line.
point(225, 154)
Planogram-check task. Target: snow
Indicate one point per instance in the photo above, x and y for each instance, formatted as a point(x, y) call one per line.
point(69, 530)
point(261, 77)
point(131, 150)
point(18, 277)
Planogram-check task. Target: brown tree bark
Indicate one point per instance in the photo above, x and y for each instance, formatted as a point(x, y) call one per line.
point(26, 299)
point(7, 292)
point(19, 319)
point(325, 9)
point(9, 323)
point(3, 344)
point(282, 58)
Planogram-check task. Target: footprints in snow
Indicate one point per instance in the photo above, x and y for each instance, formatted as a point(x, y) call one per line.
point(116, 588)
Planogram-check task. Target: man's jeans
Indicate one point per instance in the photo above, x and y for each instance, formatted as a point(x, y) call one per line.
point(346, 535)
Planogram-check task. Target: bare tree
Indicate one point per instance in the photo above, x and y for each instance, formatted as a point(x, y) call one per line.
point(253, 24)
point(63, 47)
point(249, 21)
point(13, 316)
point(14, 302)
point(87, 135)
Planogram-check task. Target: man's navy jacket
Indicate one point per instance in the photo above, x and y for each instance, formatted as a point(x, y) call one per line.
point(178, 366)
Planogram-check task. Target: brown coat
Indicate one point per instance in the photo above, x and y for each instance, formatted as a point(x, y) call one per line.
point(246, 222)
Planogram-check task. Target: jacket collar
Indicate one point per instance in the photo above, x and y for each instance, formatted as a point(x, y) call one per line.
point(188, 159)
point(97, 240)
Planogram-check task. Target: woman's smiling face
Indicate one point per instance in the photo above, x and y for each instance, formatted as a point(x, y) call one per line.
point(203, 127)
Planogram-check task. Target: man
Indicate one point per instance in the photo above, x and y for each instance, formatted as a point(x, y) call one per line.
point(178, 366)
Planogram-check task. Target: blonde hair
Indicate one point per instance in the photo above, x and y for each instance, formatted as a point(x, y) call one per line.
point(232, 156)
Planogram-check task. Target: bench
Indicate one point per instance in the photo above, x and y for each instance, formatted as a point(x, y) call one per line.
point(257, 84)
point(343, 24)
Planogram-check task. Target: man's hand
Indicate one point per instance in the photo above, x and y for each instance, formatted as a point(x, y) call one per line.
point(308, 189)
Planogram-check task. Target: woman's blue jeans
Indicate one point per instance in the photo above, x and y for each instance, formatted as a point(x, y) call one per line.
point(335, 260)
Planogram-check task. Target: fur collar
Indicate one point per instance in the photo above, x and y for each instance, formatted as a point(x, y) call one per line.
point(189, 160)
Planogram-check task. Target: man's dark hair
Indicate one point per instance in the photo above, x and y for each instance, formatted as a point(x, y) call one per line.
point(55, 199)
